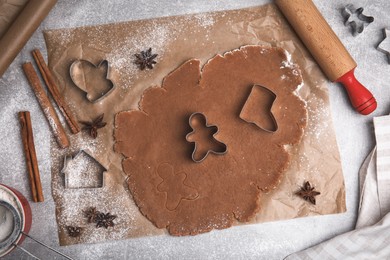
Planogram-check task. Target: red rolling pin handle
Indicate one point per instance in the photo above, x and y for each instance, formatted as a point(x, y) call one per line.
point(362, 99)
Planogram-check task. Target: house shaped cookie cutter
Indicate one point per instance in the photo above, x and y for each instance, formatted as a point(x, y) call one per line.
point(66, 170)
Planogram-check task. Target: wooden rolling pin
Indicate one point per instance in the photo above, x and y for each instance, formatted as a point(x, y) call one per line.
point(327, 50)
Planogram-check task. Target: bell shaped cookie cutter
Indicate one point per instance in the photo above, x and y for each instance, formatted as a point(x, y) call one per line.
point(75, 163)
point(349, 12)
point(79, 79)
point(202, 117)
point(260, 98)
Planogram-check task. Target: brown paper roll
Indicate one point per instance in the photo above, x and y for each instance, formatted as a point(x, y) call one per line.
point(21, 30)
point(9, 11)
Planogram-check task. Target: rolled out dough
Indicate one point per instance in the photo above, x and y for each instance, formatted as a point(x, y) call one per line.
point(189, 198)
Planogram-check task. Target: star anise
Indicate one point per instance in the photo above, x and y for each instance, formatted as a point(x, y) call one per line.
point(93, 126)
point(74, 231)
point(145, 59)
point(308, 193)
point(105, 220)
point(91, 214)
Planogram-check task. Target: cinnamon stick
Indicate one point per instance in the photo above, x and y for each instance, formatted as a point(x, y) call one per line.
point(53, 89)
point(31, 157)
point(48, 110)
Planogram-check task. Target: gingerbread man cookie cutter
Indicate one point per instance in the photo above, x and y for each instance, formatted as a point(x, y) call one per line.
point(355, 19)
point(197, 116)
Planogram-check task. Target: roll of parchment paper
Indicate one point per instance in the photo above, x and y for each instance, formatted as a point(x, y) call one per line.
point(21, 30)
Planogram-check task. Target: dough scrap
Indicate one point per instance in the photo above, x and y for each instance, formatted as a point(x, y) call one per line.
point(228, 187)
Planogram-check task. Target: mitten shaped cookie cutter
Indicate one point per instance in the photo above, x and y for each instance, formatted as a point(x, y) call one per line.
point(203, 118)
point(66, 170)
point(78, 78)
point(384, 45)
point(349, 12)
point(259, 96)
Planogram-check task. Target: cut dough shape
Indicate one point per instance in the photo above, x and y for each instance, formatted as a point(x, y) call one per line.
point(229, 187)
point(173, 185)
point(258, 109)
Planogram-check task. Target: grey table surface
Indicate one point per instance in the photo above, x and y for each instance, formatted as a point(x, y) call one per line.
point(262, 241)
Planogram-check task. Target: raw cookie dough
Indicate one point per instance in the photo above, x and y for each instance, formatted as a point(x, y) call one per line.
point(222, 188)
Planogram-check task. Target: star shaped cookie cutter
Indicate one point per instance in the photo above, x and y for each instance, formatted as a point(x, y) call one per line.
point(356, 19)
point(384, 45)
point(67, 169)
point(214, 127)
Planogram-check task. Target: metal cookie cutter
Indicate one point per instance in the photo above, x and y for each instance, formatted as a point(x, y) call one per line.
point(78, 76)
point(260, 98)
point(356, 19)
point(77, 165)
point(384, 45)
point(198, 117)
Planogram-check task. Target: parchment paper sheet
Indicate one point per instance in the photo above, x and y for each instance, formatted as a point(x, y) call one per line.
point(177, 39)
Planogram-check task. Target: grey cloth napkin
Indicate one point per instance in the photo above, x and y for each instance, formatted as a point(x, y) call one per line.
point(371, 238)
